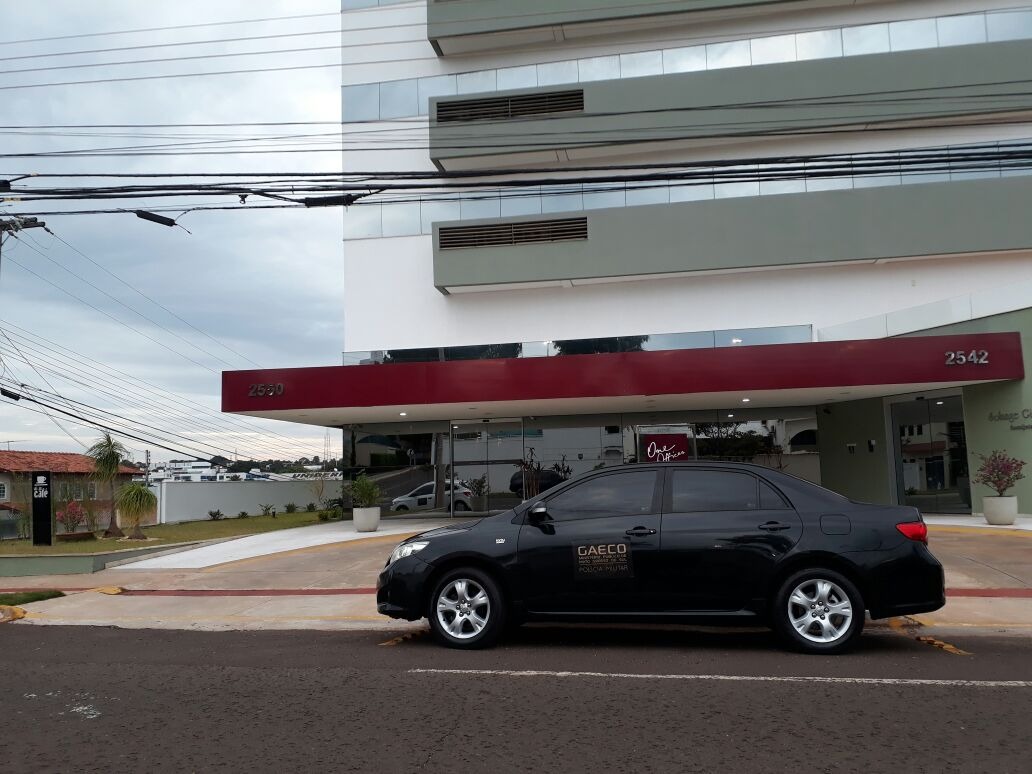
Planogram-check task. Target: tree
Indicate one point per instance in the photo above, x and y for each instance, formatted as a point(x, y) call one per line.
point(136, 501)
point(107, 455)
point(600, 346)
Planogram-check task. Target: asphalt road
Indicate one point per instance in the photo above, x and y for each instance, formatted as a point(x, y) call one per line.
point(105, 700)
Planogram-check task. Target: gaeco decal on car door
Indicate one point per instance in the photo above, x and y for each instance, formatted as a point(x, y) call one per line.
point(602, 560)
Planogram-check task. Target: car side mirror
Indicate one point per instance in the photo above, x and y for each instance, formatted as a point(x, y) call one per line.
point(538, 513)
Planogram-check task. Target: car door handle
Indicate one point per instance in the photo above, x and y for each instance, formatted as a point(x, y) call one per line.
point(640, 532)
point(774, 526)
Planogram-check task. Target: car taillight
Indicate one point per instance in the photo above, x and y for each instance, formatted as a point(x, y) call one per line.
point(914, 530)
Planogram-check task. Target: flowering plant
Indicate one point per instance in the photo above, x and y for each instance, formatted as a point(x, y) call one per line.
point(72, 516)
point(999, 471)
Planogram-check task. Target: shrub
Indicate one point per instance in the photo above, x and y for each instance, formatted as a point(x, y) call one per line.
point(72, 517)
point(290, 507)
point(999, 471)
point(92, 519)
point(324, 515)
point(478, 486)
point(242, 515)
point(266, 509)
point(215, 515)
point(365, 493)
point(310, 508)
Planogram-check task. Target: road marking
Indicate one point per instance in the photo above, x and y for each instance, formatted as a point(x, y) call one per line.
point(943, 646)
point(732, 678)
point(404, 637)
point(908, 627)
point(934, 529)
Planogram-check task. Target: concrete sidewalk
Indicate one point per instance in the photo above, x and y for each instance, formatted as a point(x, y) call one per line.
point(269, 543)
point(330, 586)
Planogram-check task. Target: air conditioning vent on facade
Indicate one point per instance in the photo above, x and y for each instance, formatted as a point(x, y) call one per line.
point(521, 233)
point(501, 108)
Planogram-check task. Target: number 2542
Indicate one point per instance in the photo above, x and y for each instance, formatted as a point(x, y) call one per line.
point(974, 357)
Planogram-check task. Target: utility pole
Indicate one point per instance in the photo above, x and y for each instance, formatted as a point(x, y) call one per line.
point(17, 224)
point(148, 467)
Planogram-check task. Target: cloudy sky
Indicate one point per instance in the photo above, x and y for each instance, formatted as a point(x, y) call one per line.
point(266, 284)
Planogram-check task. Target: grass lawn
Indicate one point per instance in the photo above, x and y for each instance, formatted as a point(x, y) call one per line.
point(169, 533)
point(25, 597)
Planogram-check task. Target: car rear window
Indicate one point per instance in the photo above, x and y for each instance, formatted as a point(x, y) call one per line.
point(713, 490)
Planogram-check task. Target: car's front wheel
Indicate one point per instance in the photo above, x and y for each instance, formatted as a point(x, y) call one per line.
point(466, 609)
point(819, 611)
point(401, 508)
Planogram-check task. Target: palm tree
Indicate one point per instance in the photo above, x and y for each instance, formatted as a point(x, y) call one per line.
point(135, 501)
point(107, 455)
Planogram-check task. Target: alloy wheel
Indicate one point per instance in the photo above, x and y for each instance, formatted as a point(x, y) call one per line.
point(820, 611)
point(463, 608)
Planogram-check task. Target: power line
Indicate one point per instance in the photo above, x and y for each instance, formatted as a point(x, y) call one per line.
point(153, 301)
point(166, 29)
point(129, 395)
point(126, 79)
point(226, 420)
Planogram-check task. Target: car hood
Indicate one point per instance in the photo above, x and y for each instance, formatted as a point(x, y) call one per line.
point(447, 530)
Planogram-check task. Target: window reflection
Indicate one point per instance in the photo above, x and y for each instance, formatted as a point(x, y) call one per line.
point(395, 99)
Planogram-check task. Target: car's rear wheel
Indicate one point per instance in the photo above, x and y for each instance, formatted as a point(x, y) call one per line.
point(461, 506)
point(818, 611)
point(466, 609)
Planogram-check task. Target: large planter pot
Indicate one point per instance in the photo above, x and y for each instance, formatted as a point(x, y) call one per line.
point(1000, 510)
point(367, 519)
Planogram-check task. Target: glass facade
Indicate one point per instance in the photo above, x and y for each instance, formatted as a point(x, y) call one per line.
point(653, 342)
point(410, 97)
point(931, 455)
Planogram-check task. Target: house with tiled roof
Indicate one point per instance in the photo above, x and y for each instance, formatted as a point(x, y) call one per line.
point(72, 480)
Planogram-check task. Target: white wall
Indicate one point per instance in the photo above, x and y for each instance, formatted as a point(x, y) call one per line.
point(189, 501)
point(419, 316)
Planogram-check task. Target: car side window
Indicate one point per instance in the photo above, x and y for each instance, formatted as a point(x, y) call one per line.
point(423, 490)
point(770, 498)
point(712, 490)
point(618, 494)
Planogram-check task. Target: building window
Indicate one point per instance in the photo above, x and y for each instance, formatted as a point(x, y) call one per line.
point(3, 491)
point(91, 490)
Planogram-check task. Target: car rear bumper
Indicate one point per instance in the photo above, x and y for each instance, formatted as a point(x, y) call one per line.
point(401, 589)
point(910, 581)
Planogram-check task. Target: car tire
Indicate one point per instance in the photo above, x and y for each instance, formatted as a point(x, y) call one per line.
point(461, 506)
point(818, 611)
point(401, 508)
point(466, 609)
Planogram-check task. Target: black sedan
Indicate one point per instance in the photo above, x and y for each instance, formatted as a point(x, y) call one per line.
point(707, 543)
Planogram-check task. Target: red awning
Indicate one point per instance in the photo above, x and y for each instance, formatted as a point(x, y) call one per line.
point(773, 375)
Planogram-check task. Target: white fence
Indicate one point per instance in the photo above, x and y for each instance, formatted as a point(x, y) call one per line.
point(191, 500)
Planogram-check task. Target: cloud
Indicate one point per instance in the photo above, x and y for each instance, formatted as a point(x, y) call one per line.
point(266, 283)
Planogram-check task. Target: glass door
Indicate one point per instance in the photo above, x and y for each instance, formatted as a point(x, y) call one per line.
point(931, 454)
point(487, 456)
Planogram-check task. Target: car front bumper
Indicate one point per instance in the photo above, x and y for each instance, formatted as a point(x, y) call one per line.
point(401, 589)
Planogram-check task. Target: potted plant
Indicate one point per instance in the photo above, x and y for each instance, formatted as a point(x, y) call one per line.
point(1000, 472)
point(365, 503)
point(478, 488)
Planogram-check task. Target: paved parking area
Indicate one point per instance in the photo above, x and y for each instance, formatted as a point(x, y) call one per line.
point(330, 586)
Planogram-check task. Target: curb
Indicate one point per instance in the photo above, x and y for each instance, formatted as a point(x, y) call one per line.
point(9, 613)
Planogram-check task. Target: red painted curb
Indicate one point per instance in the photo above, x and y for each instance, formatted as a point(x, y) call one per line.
point(1024, 593)
point(1015, 593)
point(245, 592)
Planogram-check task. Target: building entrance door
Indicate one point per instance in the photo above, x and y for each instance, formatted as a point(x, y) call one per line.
point(931, 454)
point(487, 454)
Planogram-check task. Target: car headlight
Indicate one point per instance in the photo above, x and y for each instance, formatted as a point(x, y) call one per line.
point(407, 549)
